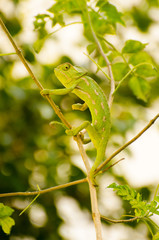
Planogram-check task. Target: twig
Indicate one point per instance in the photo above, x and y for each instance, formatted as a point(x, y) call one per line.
point(106, 169)
point(112, 82)
point(120, 220)
point(98, 66)
point(93, 195)
point(15, 194)
point(127, 144)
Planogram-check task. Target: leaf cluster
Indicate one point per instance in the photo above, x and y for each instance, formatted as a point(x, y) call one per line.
point(132, 63)
point(143, 210)
point(6, 222)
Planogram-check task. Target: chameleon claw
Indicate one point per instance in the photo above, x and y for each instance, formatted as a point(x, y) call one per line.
point(70, 132)
point(55, 123)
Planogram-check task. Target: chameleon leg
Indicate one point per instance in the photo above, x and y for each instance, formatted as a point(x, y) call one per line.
point(53, 123)
point(80, 107)
point(75, 131)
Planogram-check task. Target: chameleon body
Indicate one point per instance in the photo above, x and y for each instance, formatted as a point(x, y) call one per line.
point(75, 80)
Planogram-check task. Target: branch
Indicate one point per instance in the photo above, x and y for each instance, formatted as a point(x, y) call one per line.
point(106, 169)
point(121, 220)
point(127, 144)
point(112, 82)
point(15, 194)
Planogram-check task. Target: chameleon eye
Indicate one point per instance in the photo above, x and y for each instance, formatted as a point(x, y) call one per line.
point(66, 67)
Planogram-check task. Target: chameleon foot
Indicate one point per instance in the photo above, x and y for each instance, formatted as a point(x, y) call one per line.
point(55, 123)
point(44, 92)
point(70, 132)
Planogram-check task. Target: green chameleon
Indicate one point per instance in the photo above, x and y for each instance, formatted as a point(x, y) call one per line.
point(75, 80)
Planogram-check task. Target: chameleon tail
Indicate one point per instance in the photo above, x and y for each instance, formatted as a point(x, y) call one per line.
point(99, 158)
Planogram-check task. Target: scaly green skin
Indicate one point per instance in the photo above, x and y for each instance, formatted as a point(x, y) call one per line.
point(76, 81)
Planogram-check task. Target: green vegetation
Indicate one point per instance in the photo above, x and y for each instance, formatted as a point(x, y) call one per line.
point(32, 153)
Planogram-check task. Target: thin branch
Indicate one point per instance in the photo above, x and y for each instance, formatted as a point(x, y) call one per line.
point(128, 143)
point(66, 25)
point(7, 54)
point(112, 82)
point(120, 220)
point(15, 194)
point(98, 66)
point(106, 169)
point(114, 48)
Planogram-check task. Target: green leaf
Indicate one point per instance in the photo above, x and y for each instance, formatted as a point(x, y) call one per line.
point(69, 6)
point(91, 47)
point(100, 24)
point(113, 185)
point(140, 87)
point(156, 212)
point(6, 222)
point(140, 57)
point(40, 21)
point(133, 46)
point(110, 12)
point(152, 206)
point(120, 69)
point(38, 44)
point(154, 228)
point(58, 19)
point(146, 71)
point(5, 211)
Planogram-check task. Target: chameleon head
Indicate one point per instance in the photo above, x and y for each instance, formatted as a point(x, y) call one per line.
point(69, 74)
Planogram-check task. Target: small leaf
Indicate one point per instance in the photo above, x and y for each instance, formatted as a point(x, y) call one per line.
point(140, 57)
point(91, 47)
point(58, 19)
point(40, 21)
point(156, 212)
point(5, 211)
point(38, 44)
point(133, 46)
point(120, 69)
point(5, 220)
point(113, 185)
point(140, 87)
point(146, 71)
point(111, 12)
point(100, 24)
point(7, 223)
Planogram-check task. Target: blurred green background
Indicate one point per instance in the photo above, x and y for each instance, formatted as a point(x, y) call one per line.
point(32, 153)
